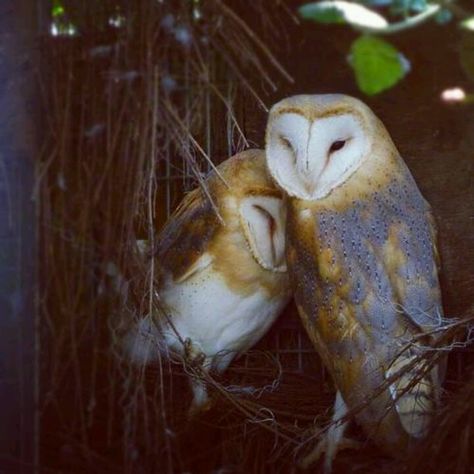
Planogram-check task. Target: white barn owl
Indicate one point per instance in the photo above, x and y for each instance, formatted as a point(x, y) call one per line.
point(222, 282)
point(362, 260)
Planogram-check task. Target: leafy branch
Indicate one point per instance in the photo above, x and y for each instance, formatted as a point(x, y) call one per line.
point(377, 64)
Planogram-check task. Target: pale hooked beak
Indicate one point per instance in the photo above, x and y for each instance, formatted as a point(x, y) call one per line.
point(309, 177)
point(308, 183)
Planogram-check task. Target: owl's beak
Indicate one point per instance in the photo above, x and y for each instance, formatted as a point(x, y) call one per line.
point(305, 174)
point(310, 169)
point(307, 181)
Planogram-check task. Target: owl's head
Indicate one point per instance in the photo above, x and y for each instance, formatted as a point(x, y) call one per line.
point(315, 143)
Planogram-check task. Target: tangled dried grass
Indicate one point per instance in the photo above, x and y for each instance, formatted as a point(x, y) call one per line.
point(136, 116)
point(449, 446)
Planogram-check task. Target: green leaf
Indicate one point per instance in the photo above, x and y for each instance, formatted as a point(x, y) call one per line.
point(443, 16)
point(468, 23)
point(400, 7)
point(377, 64)
point(418, 5)
point(404, 7)
point(57, 9)
point(321, 13)
point(466, 53)
point(377, 3)
point(340, 11)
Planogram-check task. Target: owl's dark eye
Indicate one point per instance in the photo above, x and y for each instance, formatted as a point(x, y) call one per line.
point(337, 145)
point(286, 142)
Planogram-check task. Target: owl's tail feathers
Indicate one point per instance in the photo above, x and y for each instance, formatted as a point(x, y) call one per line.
point(414, 395)
point(332, 440)
point(141, 343)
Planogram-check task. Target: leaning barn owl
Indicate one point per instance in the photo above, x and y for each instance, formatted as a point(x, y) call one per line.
point(222, 280)
point(362, 259)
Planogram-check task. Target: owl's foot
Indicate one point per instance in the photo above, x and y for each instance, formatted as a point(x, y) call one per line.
point(192, 355)
point(327, 448)
point(333, 440)
point(199, 364)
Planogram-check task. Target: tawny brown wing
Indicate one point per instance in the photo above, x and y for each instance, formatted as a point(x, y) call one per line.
point(186, 235)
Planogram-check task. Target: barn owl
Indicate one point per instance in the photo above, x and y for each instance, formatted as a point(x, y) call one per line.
point(362, 259)
point(222, 278)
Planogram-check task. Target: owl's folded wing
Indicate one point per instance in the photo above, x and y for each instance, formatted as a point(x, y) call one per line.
point(414, 276)
point(411, 261)
point(185, 237)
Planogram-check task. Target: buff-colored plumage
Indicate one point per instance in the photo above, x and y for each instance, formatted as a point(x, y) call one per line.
point(363, 263)
point(222, 279)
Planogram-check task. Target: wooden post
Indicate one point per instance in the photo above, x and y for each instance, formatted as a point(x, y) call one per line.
point(19, 138)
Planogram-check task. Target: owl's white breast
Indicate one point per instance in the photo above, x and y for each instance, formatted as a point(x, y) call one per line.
point(218, 321)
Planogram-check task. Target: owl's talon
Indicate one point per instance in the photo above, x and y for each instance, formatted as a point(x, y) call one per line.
point(332, 440)
point(199, 359)
point(349, 443)
point(192, 356)
point(188, 348)
point(327, 448)
point(198, 408)
point(201, 402)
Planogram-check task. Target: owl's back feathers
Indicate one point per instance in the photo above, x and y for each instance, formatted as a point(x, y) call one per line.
point(366, 282)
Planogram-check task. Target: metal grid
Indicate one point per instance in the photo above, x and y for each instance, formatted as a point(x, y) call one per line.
point(288, 342)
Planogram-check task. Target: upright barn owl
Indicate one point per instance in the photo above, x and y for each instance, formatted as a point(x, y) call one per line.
point(362, 259)
point(222, 280)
